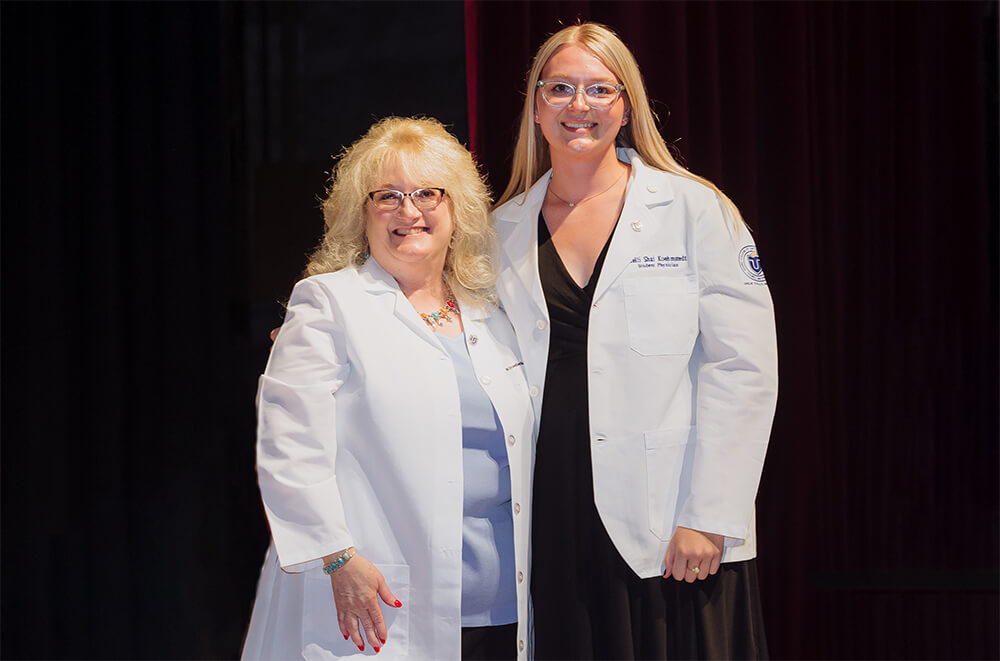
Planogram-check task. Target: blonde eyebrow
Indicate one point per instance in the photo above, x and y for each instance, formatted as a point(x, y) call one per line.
point(568, 79)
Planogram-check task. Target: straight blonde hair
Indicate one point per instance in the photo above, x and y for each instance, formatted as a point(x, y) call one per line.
point(531, 153)
point(430, 156)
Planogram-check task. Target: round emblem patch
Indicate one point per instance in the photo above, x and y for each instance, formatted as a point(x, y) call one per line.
point(750, 264)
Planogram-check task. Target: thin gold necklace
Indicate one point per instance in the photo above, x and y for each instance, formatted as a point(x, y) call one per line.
point(573, 204)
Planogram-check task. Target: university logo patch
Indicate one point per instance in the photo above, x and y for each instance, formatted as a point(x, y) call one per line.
point(750, 264)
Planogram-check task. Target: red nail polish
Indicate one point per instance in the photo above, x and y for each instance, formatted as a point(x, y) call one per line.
point(399, 604)
point(383, 640)
point(361, 647)
point(377, 649)
point(346, 636)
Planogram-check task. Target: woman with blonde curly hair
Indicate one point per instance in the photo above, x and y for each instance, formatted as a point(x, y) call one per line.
point(394, 429)
point(648, 339)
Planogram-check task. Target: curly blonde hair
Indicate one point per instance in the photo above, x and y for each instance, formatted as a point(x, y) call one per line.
point(431, 156)
point(531, 153)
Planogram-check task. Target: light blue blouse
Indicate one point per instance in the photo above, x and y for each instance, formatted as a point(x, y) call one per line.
point(489, 596)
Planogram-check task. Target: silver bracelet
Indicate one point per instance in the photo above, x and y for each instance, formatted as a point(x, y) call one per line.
point(341, 560)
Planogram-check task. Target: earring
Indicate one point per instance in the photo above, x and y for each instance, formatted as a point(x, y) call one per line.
point(624, 120)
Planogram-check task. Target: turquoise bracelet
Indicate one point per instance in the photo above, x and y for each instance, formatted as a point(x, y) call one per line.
point(339, 562)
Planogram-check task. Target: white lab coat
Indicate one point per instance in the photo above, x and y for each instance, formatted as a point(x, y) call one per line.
point(359, 443)
point(681, 359)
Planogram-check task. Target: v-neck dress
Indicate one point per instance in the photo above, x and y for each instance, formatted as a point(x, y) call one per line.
point(588, 603)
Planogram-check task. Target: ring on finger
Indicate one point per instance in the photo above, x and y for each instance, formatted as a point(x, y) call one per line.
point(695, 570)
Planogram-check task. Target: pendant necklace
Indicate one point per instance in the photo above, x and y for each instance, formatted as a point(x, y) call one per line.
point(573, 204)
point(443, 315)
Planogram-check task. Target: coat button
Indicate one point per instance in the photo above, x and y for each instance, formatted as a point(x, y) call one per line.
point(485, 380)
point(636, 226)
point(651, 189)
point(510, 440)
point(473, 340)
point(540, 324)
point(520, 577)
point(517, 508)
point(520, 646)
point(533, 391)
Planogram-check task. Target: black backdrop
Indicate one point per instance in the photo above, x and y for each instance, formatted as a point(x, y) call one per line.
point(160, 164)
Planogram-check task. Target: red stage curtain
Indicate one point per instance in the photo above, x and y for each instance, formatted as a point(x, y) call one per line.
point(860, 141)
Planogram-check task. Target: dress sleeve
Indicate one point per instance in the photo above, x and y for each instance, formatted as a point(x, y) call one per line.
point(296, 431)
point(735, 365)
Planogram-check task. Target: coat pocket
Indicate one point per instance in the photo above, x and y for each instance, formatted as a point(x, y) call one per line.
point(665, 449)
point(661, 314)
point(321, 637)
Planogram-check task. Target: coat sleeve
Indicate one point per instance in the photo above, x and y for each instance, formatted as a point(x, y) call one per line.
point(735, 367)
point(296, 431)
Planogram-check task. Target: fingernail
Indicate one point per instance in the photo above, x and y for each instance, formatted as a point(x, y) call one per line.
point(346, 636)
point(383, 640)
point(377, 649)
point(399, 604)
point(361, 647)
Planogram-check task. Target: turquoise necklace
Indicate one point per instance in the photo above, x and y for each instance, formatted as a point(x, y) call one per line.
point(443, 315)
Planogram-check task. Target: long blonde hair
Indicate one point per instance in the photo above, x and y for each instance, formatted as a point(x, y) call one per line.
point(531, 153)
point(430, 155)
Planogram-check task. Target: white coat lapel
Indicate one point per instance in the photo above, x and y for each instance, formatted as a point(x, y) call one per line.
point(474, 312)
point(380, 283)
point(647, 189)
point(520, 244)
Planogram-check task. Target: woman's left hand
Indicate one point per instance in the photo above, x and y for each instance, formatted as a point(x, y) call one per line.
point(693, 554)
point(356, 587)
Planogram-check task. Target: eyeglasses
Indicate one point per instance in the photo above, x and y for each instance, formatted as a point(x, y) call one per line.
point(424, 199)
point(559, 94)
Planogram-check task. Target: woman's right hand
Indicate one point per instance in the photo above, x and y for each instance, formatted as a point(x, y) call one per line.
point(355, 586)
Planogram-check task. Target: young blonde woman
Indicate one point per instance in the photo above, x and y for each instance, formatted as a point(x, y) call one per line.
point(394, 440)
point(647, 333)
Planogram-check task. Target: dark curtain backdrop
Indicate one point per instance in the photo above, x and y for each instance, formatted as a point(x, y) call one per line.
point(860, 140)
point(127, 486)
point(160, 165)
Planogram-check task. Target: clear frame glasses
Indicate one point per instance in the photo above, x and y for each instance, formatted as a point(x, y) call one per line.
point(425, 199)
point(600, 96)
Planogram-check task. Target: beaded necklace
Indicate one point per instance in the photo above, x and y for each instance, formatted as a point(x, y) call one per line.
point(435, 319)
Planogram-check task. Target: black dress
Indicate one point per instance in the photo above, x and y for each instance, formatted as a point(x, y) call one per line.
point(588, 603)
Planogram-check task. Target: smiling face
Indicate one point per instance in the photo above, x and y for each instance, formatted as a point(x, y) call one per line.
point(406, 237)
point(578, 130)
